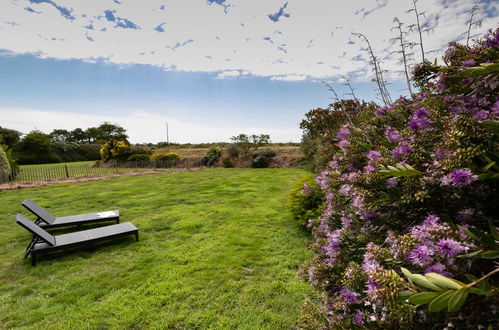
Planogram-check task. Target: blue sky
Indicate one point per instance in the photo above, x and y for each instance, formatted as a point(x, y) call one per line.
point(211, 69)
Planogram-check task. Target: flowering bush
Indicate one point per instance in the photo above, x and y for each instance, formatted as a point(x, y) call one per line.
point(398, 182)
point(305, 200)
point(171, 156)
point(120, 151)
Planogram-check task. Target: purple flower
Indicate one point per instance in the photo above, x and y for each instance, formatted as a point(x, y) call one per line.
point(343, 132)
point(346, 222)
point(392, 135)
point(493, 40)
point(343, 144)
point(373, 155)
point(383, 110)
point(322, 179)
point(346, 189)
point(449, 247)
point(465, 215)
point(350, 297)
point(436, 268)
point(481, 115)
point(332, 247)
point(306, 188)
point(420, 121)
point(401, 150)
point(359, 318)
point(468, 63)
point(422, 255)
point(369, 169)
point(459, 178)
point(392, 182)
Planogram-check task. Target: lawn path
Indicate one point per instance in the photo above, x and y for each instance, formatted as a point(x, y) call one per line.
point(218, 249)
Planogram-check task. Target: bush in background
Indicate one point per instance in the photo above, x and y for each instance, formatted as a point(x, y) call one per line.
point(138, 157)
point(305, 200)
point(5, 169)
point(263, 158)
point(248, 144)
point(232, 150)
point(227, 163)
point(120, 151)
point(170, 156)
point(212, 156)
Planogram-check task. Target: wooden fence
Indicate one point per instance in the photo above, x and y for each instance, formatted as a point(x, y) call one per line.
point(51, 172)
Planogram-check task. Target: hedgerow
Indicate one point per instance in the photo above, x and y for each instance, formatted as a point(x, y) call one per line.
point(411, 188)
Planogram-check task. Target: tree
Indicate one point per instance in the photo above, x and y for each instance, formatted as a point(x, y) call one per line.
point(78, 136)
point(249, 144)
point(10, 136)
point(110, 131)
point(34, 148)
point(60, 135)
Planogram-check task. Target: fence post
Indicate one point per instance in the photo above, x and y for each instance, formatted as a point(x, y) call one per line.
point(67, 171)
point(188, 164)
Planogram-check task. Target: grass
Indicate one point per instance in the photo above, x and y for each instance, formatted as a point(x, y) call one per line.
point(218, 249)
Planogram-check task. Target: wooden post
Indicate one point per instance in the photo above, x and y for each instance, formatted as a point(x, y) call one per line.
point(67, 171)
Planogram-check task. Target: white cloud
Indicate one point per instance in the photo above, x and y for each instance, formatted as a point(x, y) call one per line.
point(310, 41)
point(141, 126)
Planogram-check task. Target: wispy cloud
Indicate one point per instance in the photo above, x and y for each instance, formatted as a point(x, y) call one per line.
point(314, 40)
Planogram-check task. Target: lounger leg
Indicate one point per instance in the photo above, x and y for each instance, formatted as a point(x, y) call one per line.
point(137, 236)
point(30, 246)
point(118, 220)
point(33, 260)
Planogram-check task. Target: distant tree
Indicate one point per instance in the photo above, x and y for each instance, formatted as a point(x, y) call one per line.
point(248, 144)
point(60, 135)
point(34, 148)
point(110, 131)
point(92, 134)
point(10, 136)
point(78, 136)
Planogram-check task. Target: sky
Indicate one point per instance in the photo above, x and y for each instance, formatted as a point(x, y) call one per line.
point(211, 69)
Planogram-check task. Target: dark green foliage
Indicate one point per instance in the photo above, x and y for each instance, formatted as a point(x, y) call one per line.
point(35, 148)
point(73, 152)
point(212, 156)
point(60, 135)
point(262, 158)
point(5, 170)
point(305, 202)
point(319, 141)
point(138, 157)
point(227, 163)
point(9, 136)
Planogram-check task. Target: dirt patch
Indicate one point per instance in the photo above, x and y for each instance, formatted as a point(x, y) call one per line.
point(37, 184)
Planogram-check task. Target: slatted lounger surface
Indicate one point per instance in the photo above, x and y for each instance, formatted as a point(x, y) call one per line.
point(47, 220)
point(43, 242)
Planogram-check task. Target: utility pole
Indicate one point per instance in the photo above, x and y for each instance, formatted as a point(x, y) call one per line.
point(167, 136)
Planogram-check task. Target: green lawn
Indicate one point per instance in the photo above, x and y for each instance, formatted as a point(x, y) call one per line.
point(218, 249)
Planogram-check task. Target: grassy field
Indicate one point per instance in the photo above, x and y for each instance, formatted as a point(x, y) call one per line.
point(217, 250)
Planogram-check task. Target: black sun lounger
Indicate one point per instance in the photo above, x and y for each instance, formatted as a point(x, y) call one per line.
point(43, 242)
point(47, 220)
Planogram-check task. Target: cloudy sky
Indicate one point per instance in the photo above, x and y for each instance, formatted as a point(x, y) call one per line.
point(210, 68)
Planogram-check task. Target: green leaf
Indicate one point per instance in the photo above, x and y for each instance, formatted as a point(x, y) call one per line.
point(423, 298)
point(493, 231)
point(399, 170)
point(471, 254)
point(469, 233)
point(490, 124)
point(443, 281)
point(407, 273)
point(440, 302)
point(457, 300)
point(488, 166)
point(423, 281)
point(483, 69)
point(478, 291)
point(403, 295)
point(489, 255)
